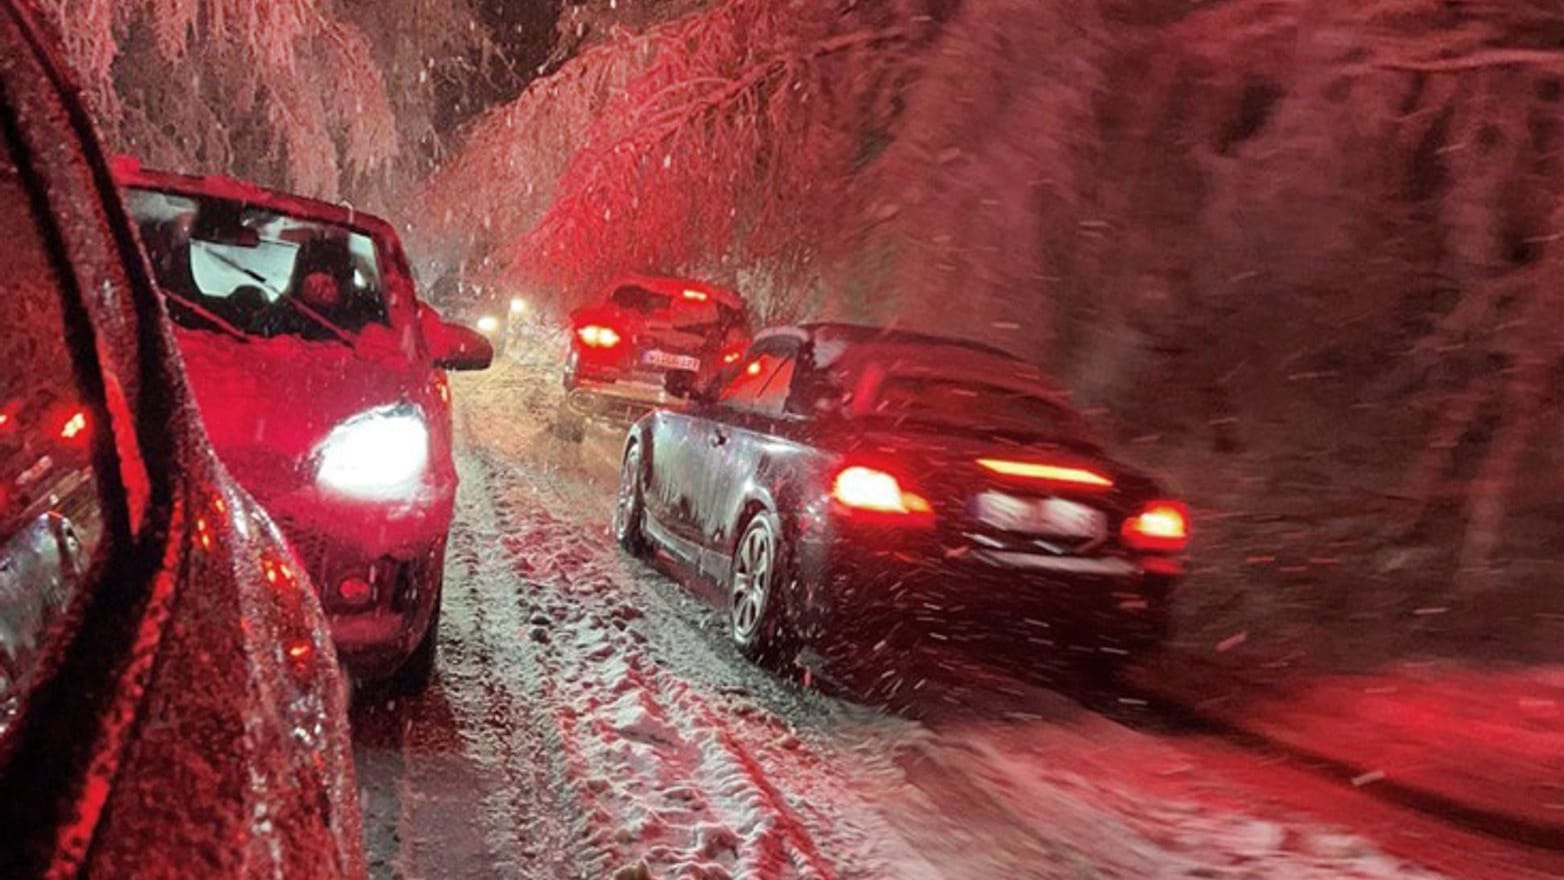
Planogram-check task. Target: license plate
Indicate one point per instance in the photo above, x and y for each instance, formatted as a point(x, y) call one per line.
point(1040, 516)
point(669, 361)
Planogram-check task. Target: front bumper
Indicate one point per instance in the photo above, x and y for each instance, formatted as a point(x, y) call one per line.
point(378, 571)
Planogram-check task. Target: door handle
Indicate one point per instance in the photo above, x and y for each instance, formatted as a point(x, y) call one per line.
point(718, 438)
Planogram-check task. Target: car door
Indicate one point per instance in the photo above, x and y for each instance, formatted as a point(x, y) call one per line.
point(735, 438)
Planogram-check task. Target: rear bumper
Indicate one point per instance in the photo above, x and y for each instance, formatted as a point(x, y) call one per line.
point(871, 583)
point(624, 401)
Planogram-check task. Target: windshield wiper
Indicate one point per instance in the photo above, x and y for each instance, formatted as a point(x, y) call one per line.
point(204, 313)
point(279, 296)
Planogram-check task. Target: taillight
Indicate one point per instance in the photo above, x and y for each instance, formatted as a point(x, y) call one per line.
point(874, 491)
point(1051, 472)
point(1160, 525)
point(696, 295)
point(598, 336)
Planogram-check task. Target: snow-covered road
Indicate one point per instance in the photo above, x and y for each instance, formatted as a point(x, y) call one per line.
point(589, 719)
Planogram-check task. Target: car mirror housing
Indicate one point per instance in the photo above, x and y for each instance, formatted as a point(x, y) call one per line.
point(460, 348)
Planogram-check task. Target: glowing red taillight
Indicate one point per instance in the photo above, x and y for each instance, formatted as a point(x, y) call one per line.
point(1160, 525)
point(867, 489)
point(598, 336)
point(1051, 472)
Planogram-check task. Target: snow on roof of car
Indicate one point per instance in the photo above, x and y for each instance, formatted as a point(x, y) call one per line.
point(675, 286)
point(129, 172)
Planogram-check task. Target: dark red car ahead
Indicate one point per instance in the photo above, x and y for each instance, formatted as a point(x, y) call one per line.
point(170, 700)
point(622, 347)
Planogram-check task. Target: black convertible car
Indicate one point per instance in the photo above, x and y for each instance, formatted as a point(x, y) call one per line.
point(848, 482)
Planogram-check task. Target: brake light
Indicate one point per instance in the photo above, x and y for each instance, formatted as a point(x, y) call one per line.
point(598, 336)
point(753, 369)
point(1160, 525)
point(696, 295)
point(1051, 472)
point(864, 488)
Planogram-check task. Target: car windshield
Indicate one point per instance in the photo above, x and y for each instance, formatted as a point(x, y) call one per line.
point(229, 266)
point(972, 406)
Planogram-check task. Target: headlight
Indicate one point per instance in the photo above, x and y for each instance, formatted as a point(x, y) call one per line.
point(488, 324)
point(518, 305)
point(379, 455)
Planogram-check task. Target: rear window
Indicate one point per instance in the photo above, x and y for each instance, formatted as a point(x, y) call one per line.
point(693, 312)
point(974, 406)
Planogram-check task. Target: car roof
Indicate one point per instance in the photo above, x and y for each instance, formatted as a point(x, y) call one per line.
point(129, 172)
point(673, 286)
point(867, 334)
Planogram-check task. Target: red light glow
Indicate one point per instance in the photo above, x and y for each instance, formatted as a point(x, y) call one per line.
point(732, 357)
point(355, 590)
point(1053, 473)
point(753, 369)
point(1161, 525)
point(696, 295)
point(74, 426)
point(863, 488)
point(598, 336)
point(300, 651)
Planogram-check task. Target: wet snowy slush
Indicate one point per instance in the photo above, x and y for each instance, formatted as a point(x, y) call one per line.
point(589, 719)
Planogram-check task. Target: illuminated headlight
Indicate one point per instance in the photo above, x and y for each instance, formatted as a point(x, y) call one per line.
point(488, 324)
point(378, 455)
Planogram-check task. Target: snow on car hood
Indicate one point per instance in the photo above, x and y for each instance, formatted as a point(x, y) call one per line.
point(269, 403)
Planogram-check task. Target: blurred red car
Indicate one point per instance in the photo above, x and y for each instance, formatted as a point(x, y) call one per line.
point(170, 700)
point(621, 348)
point(322, 381)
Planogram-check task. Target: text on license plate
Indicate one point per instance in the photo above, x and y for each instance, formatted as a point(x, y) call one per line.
point(1039, 516)
point(670, 361)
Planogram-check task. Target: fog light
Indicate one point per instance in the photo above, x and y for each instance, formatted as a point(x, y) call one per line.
point(355, 590)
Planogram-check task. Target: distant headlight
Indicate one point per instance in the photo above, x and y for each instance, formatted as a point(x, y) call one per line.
point(377, 455)
point(488, 324)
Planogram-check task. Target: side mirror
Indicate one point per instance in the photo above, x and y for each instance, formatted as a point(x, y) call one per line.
point(460, 348)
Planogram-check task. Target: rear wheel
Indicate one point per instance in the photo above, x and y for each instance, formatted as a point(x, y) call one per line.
point(756, 579)
point(629, 510)
point(569, 425)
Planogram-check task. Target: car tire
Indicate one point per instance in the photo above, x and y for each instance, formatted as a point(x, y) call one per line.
point(629, 504)
point(756, 600)
point(418, 669)
point(569, 426)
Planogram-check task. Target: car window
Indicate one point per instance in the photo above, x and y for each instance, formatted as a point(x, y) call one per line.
point(229, 266)
point(964, 404)
point(51, 515)
point(751, 386)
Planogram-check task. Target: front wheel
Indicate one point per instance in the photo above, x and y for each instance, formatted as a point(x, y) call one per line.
point(630, 507)
point(417, 670)
point(756, 580)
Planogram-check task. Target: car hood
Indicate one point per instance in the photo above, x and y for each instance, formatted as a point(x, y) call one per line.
point(268, 404)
